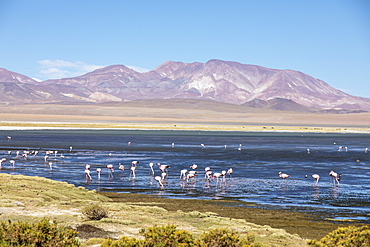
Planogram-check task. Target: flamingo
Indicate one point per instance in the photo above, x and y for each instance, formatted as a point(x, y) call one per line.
point(230, 171)
point(202, 145)
point(12, 162)
point(134, 163)
point(151, 164)
point(99, 171)
point(121, 167)
point(164, 175)
point(183, 173)
point(335, 176)
point(133, 168)
point(194, 166)
point(316, 177)
point(173, 144)
point(159, 180)
point(1, 162)
point(87, 167)
point(9, 138)
point(51, 165)
point(191, 174)
point(163, 168)
point(70, 149)
point(87, 173)
point(217, 175)
point(283, 175)
point(207, 169)
point(110, 170)
point(208, 175)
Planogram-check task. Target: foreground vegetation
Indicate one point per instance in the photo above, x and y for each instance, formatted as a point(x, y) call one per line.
point(46, 233)
point(112, 218)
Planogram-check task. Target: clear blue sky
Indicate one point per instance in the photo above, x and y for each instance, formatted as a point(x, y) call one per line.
point(326, 39)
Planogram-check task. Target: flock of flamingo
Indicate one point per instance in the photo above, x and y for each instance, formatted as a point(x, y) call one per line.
point(185, 174)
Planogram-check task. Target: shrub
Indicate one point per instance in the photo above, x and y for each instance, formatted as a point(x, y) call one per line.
point(169, 236)
point(345, 236)
point(95, 212)
point(224, 238)
point(43, 233)
point(123, 241)
point(166, 236)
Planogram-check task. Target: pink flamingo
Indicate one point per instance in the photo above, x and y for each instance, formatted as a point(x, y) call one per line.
point(183, 173)
point(87, 173)
point(283, 175)
point(335, 176)
point(159, 180)
point(1, 162)
point(12, 162)
point(191, 174)
point(110, 170)
point(51, 165)
point(151, 164)
point(121, 167)
point(163, 168)
point(9, 138)
point(194, 166)
point(316, 177)
point(208, 175)
point(230, 171)
point(133, 168)
point(99, 171)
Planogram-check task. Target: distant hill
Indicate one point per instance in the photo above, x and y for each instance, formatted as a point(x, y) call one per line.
point(216, 80)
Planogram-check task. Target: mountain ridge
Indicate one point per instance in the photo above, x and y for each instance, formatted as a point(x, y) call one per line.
point(216, 80)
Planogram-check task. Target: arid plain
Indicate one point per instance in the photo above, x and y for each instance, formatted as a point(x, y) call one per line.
point(177, 114)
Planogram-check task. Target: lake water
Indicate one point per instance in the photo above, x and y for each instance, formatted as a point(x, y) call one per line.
point(256, 159)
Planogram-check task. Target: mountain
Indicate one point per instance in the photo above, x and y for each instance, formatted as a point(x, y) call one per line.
point(215, 80)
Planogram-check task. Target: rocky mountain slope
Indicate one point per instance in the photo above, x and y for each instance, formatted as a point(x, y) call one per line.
point(216, 80)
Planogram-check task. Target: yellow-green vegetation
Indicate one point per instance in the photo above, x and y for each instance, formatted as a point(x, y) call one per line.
point(345, 236)
point(169, 235)
point(43, 233)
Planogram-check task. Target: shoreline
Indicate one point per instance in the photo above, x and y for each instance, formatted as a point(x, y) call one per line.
point(24, 125)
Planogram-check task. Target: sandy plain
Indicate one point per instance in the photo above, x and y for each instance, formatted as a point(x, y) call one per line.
point(177, 115)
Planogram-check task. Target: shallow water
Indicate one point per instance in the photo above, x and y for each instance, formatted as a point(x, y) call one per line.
point(255, 166)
